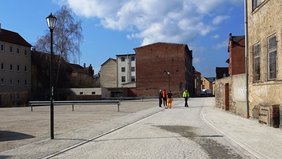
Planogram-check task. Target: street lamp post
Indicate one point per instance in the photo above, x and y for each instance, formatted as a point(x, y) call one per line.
point(51, 22)
point(168, 73)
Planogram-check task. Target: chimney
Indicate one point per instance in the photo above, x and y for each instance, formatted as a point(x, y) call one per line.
point(84, 65)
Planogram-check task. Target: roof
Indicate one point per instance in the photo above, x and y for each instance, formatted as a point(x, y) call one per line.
point(76, 66)
point(110, 59)
point(13, 37)
point(125, 55)
point(210, 79)
point(159, 43)
point(238, 38)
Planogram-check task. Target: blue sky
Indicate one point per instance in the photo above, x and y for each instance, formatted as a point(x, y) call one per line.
point(118, 26)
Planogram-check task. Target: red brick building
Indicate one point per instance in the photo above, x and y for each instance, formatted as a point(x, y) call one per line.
point(236, 51)
point(163, 66)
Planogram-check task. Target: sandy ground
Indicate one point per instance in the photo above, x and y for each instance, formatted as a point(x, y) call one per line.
point(20, 126)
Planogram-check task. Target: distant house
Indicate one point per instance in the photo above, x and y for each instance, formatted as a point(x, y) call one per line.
point(207, 85)
point(198, 83)
point(164, 66)
point(108, 74)
point(65, 76)
point(15, 69)
point(126, 71)
point(81, 77)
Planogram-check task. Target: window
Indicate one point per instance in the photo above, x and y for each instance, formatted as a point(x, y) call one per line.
point(132, 69)
point(11, 67)
point(81, 93)
point(25, 52)
point(2, 47)
point(272, 54)
point(123, 69)
point(256, 62)
point(122, 58)
point(18, 67)
point(2, 81)
point(18, 82)
point(256, 3)
point(25, 68)
point(132, 58)
point(18, 50)
point(133, 79)
point(11, 81)
point(123, 79)
point(11, 49)
point(2, 66)
point(93, 93)
point(25, 82)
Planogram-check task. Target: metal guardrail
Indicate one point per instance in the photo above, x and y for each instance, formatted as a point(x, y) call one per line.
point(80, 102)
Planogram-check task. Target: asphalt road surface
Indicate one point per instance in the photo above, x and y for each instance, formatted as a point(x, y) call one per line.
point(172, 133)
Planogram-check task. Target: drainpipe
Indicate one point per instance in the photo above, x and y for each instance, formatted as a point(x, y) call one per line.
point(246, 56)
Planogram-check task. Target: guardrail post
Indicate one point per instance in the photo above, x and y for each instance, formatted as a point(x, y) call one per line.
point(72, 107)
point(118, 106)
point(31, 108)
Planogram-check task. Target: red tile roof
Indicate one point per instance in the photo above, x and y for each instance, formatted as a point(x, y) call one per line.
point(13, 37)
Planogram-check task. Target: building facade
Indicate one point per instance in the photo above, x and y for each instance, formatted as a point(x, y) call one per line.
point(264, 25)
point(236, 51)
point(164, 66)
point(15, 69)
point(230, 86)
point(108, 74)
point(198, 83)
point(126, 71)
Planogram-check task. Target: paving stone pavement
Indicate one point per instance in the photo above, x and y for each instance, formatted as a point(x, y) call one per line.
point(247, 136)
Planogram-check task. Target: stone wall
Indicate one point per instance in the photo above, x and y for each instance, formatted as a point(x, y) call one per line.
point(219, 91)
point(239, 103)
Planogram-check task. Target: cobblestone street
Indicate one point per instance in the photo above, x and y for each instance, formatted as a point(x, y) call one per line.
point(147, 131)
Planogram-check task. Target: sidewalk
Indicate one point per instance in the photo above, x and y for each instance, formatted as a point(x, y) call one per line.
point(262, 141)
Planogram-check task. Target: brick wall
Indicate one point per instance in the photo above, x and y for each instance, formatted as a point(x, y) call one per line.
point(153, 62)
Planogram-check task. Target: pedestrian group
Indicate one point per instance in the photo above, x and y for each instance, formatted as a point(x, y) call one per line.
point(166, 99)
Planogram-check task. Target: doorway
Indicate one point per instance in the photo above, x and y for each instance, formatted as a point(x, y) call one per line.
point(226, 97)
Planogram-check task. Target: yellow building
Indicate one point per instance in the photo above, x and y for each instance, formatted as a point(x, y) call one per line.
point(15, 69)
point(264, 28)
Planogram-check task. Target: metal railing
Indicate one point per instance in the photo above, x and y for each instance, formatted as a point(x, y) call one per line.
point(72, 103)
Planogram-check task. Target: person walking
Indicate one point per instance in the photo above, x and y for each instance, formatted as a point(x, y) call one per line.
point(160, 98)
point(164, 97)
point(169, 99)
point(185, 95)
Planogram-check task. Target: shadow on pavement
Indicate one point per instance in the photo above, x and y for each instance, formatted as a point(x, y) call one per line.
point(207, 142)
point(9, 136)
point(5, 157)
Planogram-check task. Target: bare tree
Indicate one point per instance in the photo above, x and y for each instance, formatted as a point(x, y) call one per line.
point(67, 36)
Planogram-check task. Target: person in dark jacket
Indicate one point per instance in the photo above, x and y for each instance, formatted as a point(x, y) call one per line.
point(160, 98)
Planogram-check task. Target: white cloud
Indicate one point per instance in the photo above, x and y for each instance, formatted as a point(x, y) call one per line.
point(154, 20)
point(216, 36)
point(221, 45)
point(219, 19)
point(196, 60)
